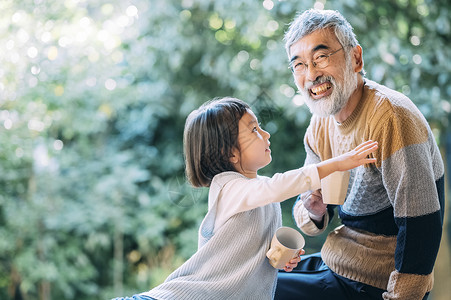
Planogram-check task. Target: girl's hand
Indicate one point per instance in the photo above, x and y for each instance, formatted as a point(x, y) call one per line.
point(293, 262)
point(358, 156)
point(349, 160)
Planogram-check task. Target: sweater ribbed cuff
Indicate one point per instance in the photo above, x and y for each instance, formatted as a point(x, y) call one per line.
point(403, 286)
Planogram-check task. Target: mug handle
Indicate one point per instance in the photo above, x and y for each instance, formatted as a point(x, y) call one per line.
point(274, 254)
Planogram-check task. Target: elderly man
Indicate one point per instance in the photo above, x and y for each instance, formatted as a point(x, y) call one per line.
point(393, 214)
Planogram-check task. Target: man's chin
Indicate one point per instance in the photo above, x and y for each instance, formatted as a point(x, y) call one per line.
point(319, 107)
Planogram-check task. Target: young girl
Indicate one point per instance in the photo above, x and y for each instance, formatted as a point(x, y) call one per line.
point(224, 148)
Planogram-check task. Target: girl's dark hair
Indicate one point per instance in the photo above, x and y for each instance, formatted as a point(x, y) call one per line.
point(211, 134)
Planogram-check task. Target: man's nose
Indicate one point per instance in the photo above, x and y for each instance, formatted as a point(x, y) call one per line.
point(312, 73)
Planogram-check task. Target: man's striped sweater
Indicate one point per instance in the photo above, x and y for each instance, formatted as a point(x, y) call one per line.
point(393, 214)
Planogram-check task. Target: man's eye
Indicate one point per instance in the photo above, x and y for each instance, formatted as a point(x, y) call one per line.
point(298, 65)
point(320, 57)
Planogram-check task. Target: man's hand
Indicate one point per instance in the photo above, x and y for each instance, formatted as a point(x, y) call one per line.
point(315, 206)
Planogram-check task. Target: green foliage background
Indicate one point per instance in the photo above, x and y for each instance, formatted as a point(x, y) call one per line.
point(93, 99)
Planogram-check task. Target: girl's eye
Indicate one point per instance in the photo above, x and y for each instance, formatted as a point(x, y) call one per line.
point(255, 129)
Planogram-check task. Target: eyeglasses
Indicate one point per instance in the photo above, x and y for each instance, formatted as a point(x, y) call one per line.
point(319, 62)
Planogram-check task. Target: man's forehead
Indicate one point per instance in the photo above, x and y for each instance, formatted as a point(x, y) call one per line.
point(317, 40)
point(324, 33)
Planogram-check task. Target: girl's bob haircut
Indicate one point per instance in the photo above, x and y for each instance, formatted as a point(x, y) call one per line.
point(210, 135)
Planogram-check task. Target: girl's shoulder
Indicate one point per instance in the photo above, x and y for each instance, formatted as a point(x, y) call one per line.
point(223, 178)
point(233, 180)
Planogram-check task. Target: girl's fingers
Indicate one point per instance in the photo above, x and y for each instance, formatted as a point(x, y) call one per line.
point(370, 160)
point(367, 149)
point(371, 150)
point(364, 144)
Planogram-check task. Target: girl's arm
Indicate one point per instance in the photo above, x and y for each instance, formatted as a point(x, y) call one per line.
point(243, 194)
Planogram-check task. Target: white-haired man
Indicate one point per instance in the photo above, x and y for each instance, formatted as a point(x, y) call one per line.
point(393, 215)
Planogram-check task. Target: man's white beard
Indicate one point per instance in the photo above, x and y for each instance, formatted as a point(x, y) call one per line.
point(335, 102)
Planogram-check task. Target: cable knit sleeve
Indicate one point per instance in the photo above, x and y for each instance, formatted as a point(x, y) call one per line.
point(412, 174)
point(300, 213)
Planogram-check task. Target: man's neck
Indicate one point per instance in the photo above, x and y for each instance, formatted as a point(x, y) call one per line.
point(343, 114)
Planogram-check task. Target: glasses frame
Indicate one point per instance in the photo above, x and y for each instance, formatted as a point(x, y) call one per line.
point(315, 65)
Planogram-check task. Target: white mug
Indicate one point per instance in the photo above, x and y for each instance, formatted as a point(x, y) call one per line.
point(286, 244)
point(334, 187)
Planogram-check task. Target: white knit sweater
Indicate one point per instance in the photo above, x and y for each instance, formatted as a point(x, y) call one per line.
point(231, 260)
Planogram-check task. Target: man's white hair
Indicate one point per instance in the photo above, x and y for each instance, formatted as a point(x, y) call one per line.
point(312, 20)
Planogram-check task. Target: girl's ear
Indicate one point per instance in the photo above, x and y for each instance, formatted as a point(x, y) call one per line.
point(235, 158)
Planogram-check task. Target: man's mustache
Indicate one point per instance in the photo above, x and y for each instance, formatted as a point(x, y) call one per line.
point(319, 80)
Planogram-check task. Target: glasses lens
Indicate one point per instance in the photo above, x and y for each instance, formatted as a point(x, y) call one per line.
point(322, 62)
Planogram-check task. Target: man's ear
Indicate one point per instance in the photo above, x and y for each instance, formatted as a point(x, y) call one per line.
point(357, 58)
